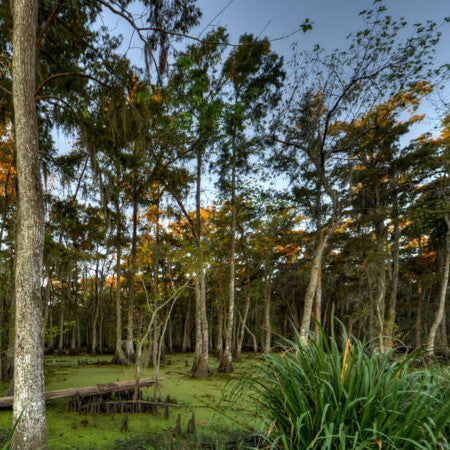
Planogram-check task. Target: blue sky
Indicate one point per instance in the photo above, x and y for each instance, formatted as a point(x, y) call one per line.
point(333, 19)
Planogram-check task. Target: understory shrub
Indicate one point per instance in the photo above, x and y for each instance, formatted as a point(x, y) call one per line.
point(350, 396)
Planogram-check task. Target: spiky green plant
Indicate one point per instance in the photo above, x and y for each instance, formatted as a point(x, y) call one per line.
point(348, 397)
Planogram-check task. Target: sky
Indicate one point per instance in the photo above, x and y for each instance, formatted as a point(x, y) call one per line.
point(332, 21)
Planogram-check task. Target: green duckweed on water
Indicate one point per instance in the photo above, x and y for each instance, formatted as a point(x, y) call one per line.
point(219, 419)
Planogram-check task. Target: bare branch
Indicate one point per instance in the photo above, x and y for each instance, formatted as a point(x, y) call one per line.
point(74, 75)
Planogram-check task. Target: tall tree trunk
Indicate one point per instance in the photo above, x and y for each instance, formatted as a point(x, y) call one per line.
point(170, 335)
point(219, 332)
point(61, 328)
point(380, 306)
point(119, 354)
point(442, 295)
point(381, 243)
point(444, 338)
point(390, 320)
point(200, 367)
point(418, 323)
point(29, 400)
point(312, 284)
point(267, 328)
point(198, 322)
point(100, 331)
point(318, 304)
point(131, 281)
point(226, 364)
point(94, 342)
point(47, 312)
point(186, 344)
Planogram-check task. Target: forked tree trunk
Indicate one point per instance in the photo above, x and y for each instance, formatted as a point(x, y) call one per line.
point(29, 400)
point(311, 289)
point(442, 295)
point(240, 339)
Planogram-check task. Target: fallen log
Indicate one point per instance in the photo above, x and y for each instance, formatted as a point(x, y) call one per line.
point(88, 390)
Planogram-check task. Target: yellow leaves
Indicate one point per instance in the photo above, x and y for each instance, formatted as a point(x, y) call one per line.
point(404, 223)
point(204, 214)
point(110, 282)
point(414, 243)
point(345, 225)
point(409, 99)
point(7, 170)
point(416, 118)
point(289, 249)
point(357, 188)
point(157, 98)
point(383, 114)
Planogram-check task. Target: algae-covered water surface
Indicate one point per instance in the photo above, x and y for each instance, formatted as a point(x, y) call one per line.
point(220, 420)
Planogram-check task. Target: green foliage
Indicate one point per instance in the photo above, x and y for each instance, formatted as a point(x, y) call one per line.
point(325, 396)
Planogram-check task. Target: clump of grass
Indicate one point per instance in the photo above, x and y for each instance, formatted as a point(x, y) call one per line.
point(347, 397)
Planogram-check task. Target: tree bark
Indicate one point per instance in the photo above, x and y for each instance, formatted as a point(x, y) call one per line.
point(240, 339)
point(29, 400)
point(200, 367)
point(219, 332)
point(131, 281)
point(267, 328)
point(119, 354)
point(390, 320)
point(94, 342)
point(311, 289)
point(443, 294)
point(186, 344)
point(226, 364)
point(318, 305)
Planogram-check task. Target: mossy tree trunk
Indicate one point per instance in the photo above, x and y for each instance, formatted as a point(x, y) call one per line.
point(29, 400)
